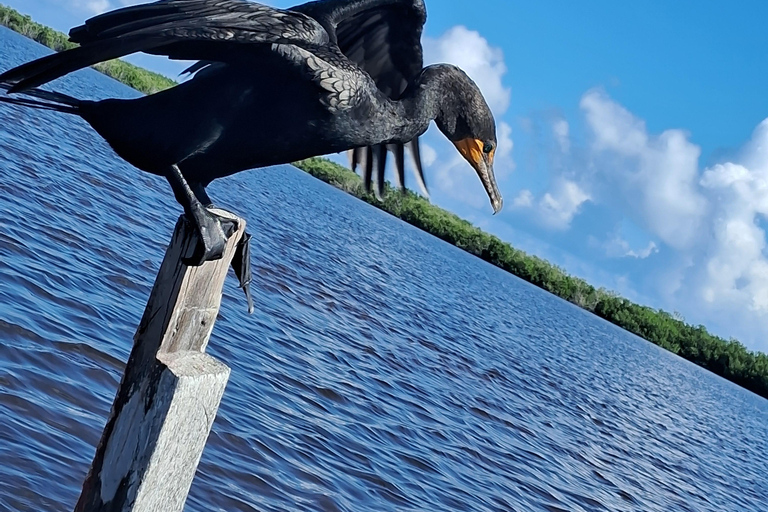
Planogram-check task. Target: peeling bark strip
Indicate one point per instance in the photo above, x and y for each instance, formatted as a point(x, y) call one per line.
point(170, 391)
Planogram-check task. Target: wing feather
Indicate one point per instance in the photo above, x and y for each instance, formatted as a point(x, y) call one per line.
point(383, 37)
point(213, 30)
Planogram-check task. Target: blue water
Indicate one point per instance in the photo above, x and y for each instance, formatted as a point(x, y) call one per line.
point(383, 370)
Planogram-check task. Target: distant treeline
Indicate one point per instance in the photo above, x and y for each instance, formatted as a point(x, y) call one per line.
point(729, 359)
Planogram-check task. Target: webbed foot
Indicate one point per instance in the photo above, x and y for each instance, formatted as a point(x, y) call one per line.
point(212, 234)
point(241, 263)
point(212, 231)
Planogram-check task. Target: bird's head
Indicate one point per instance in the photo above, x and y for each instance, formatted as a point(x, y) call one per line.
point(465, 118)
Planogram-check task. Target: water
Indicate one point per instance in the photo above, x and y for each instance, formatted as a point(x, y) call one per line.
point(383, 370)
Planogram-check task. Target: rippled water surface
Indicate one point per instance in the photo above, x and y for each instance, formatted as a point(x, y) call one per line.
point(382, 370)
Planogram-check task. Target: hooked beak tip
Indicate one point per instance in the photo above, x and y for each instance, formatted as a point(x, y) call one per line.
point(473, 151)
point(497, 205)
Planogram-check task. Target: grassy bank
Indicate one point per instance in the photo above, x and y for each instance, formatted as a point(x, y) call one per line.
point(727, 358)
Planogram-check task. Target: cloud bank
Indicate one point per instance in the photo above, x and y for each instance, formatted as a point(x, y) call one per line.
point(737, 263)
point(658, 175)
point(712, 220)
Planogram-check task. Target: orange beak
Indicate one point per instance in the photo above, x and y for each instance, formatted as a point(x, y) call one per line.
point(482, 162)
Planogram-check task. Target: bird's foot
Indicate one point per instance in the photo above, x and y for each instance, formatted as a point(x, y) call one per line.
point(241, 263)
point(212, 235)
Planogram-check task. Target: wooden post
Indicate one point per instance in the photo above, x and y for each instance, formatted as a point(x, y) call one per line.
point(170, 391)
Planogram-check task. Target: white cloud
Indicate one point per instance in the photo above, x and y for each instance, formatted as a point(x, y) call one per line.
point(471, 52)
point(523, 200)
point(560, 206)
point(454, 177)
point(557, 208)
point(714, 219)
point(428, 154)
point(503, 162)
point(737, 265)
point(644, 253)
point(561, 132)
point(617, 247)
point(656, 175)
point(504, 149)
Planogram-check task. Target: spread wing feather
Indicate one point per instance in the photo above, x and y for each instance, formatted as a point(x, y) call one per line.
point(383, 37)
point(214, 30)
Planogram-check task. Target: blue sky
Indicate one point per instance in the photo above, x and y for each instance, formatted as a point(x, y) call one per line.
point(634, 141)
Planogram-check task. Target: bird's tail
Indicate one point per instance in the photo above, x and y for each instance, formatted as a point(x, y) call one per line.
point(40, 99)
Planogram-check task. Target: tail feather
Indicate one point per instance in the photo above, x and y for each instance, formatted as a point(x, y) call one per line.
point(48, 68)
point(43, 100)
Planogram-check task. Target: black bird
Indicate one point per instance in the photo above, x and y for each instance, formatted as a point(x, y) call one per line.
point(271, 86)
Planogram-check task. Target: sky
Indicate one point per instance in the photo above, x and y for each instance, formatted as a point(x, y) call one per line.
point(633, 141)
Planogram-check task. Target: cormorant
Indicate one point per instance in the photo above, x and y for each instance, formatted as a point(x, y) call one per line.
point(272, 86)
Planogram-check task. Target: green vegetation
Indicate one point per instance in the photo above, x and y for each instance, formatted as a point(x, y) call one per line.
point(133, 76)
point(729, 359)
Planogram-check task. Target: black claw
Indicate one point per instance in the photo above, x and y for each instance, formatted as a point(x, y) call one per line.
point(212, 235)
point(241, 263)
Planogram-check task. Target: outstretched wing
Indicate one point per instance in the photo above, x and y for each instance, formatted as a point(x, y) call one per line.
point(383, 37)
point(214, 30)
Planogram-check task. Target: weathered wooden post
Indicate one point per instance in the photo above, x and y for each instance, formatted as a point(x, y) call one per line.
point(170, 391)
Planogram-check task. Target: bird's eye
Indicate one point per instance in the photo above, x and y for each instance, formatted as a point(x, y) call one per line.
point(488, 147)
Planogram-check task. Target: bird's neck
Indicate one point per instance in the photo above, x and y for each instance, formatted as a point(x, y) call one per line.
point(422, 101)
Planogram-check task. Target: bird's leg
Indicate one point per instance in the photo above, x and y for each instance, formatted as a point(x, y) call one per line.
point(241, 261)
point(199, 190)
point(212, 238)
point(228, 225)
